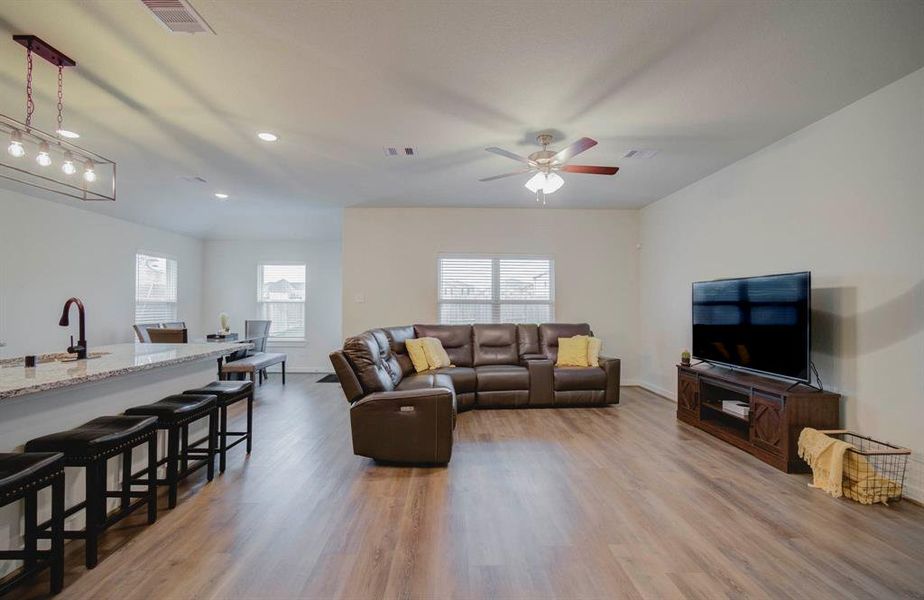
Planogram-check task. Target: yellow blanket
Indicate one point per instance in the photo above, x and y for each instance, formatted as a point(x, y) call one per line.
point(843, 473)
point(863, 484)
point(826, 457)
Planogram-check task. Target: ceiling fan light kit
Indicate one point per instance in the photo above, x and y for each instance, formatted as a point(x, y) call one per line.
point(549, 183)
point(49, 162)
point(545, 164)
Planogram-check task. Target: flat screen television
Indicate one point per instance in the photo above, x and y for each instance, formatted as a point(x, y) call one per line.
point(761, 324)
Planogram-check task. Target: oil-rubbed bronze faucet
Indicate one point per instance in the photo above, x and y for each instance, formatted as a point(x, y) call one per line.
point(81, 348)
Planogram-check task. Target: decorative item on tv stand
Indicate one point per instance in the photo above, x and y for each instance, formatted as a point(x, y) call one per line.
point(685, 358)
point(36, 159)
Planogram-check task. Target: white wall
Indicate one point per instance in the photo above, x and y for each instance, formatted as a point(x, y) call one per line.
point(51, 251)
point(390, 260)
point(843, 198)
point(230, 285)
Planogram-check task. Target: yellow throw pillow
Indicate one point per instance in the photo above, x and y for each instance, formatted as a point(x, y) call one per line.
point(572, 352)
point(436, 354)
point(594, 345)
point(415, 349)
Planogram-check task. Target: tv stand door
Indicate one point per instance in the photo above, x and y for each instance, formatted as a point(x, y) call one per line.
point(688, 395)
point(767, 423)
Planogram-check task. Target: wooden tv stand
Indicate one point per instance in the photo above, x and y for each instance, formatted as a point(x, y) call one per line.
point(778, 411)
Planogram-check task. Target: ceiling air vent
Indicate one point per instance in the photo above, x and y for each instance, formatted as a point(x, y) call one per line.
point(178, 16)
point(193, 179)
point(640, 153)
point(400, 151)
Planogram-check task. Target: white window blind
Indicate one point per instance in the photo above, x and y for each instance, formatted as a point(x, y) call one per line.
point(155, 288)
point(281, 294)
point(495, 289)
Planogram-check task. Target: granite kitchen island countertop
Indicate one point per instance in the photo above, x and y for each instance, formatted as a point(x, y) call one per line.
point(105, 362)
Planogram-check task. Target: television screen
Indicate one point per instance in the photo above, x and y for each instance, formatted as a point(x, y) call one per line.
point(756, 323)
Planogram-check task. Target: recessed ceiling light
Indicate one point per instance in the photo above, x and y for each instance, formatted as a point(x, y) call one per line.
point(266, 136)
point(68, 134)
point(221, 196)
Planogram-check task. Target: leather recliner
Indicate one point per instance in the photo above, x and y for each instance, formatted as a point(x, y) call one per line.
point(399, 415)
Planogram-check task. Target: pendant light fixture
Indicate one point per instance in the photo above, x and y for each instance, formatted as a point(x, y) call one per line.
point(15, 148)
point(98, 180)
point(68, 165)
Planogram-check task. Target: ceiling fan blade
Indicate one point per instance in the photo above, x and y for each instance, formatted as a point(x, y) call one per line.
point(520, 172)
point(502, 152)
point(590, 170)
point(563, 156)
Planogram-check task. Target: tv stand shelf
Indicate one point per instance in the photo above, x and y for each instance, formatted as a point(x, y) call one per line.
point(778, 411)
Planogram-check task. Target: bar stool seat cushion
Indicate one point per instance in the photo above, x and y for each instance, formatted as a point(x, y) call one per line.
point(94, 438)
point(175, 408)
point(226, 391)
point(22, 468)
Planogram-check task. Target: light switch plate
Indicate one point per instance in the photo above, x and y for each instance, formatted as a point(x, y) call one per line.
point(359, 298)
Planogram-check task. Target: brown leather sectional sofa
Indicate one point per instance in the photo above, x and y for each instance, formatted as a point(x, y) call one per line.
point(399, 415)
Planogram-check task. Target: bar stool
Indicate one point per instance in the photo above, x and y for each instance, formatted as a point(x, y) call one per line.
point(22, 475)
point(174, 415)
point(91, 446)
point(229, 392)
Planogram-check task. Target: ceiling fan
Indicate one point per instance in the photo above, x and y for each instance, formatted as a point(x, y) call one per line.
point(545, 163)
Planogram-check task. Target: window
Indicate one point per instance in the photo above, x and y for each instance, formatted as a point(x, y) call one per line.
point(155, 288)
point(281, 294)
point(495, 289)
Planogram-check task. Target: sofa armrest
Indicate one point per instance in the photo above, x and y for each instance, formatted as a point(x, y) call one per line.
point(526, 358)
point(541, 385)
point(406, 426)
point(612, 368)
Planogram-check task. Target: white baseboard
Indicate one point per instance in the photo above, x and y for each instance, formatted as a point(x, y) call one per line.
point(654, 389)
point(300, 370)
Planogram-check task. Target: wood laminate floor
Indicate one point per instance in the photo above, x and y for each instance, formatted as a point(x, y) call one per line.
point(616, 502)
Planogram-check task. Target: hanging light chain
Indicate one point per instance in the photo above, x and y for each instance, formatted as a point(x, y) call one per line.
point(30, 105)
point(60, 97)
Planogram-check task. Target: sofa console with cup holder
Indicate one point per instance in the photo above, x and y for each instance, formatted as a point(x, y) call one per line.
point(402, 416)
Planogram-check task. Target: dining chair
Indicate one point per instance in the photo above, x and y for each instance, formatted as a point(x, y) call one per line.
point(141, 331)
point(168, 336)
point(259, 330)
point(174, 325)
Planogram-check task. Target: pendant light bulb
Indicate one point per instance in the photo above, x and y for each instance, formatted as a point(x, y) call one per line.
point(43, 158)
point(15, 148)
point(68, 167)
point(89, 175)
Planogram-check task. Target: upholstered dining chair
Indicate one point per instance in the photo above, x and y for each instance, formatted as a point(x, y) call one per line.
point(141, 331)
point(260, 331)
point(174, 325)
point(168, 336)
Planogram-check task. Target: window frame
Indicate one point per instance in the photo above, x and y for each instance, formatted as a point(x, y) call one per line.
point(261, 303)
point(176, 302)
point(495, 302)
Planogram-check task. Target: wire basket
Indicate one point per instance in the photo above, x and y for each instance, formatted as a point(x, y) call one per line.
point(874, 471)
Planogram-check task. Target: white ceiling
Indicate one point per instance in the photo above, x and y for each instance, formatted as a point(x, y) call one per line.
point(704, 82)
